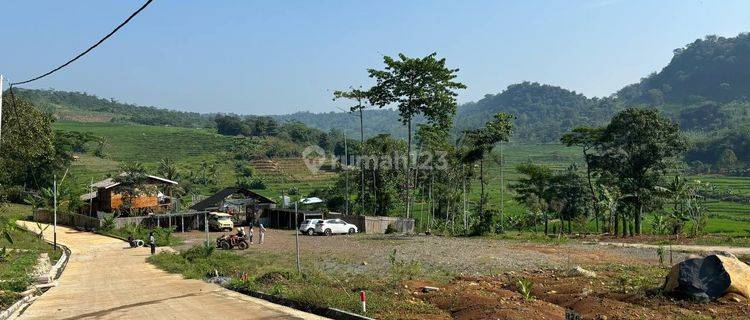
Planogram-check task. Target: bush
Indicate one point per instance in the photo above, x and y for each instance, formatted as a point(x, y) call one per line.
point(163, 236)
point(391, 229)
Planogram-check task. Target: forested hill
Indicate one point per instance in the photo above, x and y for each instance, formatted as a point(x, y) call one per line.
point(79, 106)
point(543, 112)
point(713, 68)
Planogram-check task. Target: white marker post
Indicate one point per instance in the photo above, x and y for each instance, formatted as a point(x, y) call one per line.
point(363, 300)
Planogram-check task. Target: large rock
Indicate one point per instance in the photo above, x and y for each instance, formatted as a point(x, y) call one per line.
point(709, 278)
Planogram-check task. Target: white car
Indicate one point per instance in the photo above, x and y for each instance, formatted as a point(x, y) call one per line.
point(331, 226)
point(308, 226)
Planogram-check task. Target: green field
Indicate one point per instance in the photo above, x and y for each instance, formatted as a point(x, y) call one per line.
point(189, 147)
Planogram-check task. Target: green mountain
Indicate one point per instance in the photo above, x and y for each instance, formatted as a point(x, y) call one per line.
point(710, 69)
point(83, 107)
point(543, 112)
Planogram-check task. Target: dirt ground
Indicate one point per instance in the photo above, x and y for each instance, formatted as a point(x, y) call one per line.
point(484, 276)
point(458, 255)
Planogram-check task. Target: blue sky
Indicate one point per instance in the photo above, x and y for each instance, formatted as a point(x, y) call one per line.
point(272, 57)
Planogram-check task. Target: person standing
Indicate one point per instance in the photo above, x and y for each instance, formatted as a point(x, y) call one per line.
point(261, 234)
point(250, 234)
point(152, 242)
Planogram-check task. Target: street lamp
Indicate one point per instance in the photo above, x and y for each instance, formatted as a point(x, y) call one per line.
point(311, 200)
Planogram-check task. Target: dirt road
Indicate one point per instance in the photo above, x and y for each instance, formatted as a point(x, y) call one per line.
point(104, 279)
point(682, 247)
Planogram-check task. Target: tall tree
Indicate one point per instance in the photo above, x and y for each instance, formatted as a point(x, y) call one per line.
point(533, 188)
point(359, 96)
point(586, 138)
point(30, 152)
point(637, 148)
point(132, 184)
point(417, 86)
point(483, 140)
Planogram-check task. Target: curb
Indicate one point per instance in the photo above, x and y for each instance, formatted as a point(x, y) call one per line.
point(332, 313)
point(29, 295)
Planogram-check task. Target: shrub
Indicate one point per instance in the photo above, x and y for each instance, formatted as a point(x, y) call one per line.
point(391, 229)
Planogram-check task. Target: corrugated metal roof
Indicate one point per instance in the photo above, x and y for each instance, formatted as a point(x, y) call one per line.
point(109, 182)
point(88, 196)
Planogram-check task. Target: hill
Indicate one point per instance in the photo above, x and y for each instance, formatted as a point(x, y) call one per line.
point(543, 112)
point(84, 107)
point(713, 68)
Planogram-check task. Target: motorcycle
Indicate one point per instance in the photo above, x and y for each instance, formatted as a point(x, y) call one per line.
point(229, 242)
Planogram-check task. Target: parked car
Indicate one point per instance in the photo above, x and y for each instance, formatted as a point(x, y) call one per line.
point(308, 226)
point(332, 226)
point(220, 221)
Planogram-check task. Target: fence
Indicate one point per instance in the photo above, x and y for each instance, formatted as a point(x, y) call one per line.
point(68, 219)
point(181, 221)
point(377, 224)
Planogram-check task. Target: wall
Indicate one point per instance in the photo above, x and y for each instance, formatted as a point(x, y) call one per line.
point(376, 224)
point(67, 219)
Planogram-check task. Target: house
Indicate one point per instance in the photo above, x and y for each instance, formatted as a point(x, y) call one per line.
point(107, 196)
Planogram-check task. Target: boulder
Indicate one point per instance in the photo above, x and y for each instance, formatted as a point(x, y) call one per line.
point(581, 272)
point(708, 278)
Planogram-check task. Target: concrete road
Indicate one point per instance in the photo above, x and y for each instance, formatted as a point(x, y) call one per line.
point(683, 247)
point(105, 279)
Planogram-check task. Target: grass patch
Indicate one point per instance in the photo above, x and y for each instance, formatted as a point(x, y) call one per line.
point(274, 274)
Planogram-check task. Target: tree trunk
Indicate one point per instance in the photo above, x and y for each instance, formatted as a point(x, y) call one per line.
point(616, 224)
point(546, 228)
point(638, 216)
point(481, 193)
point(591, 187)
point(361, 164)
point(408, 172)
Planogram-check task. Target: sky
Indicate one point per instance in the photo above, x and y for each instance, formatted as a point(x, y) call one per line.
point(276, 57)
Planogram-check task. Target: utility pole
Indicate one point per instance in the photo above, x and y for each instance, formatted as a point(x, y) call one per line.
point(1, 107)
point(296, 237)
point(346, 172)
point(502, 189)
point(91, 200)
point(54, 224)
point(361, 149)
point(205, 226)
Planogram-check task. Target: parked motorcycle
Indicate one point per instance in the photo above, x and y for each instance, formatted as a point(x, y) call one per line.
point(229, 242)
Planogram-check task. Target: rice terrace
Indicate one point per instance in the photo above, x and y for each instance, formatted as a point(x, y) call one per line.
point(384, 160)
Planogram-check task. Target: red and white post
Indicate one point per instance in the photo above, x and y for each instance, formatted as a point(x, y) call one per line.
point(363, 300)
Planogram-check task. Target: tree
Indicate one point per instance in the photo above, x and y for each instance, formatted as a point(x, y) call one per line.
point(570, 192)
point(132, 184)
point(29, 155)
point(586, 138)
point(417, 86)
point(483, 140)
point(357, 95)
point(533, 188)
point(637, 148)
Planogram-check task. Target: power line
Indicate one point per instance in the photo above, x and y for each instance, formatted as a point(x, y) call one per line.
point(90, 48)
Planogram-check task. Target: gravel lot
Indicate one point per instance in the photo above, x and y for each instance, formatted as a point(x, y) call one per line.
point(454, 255)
